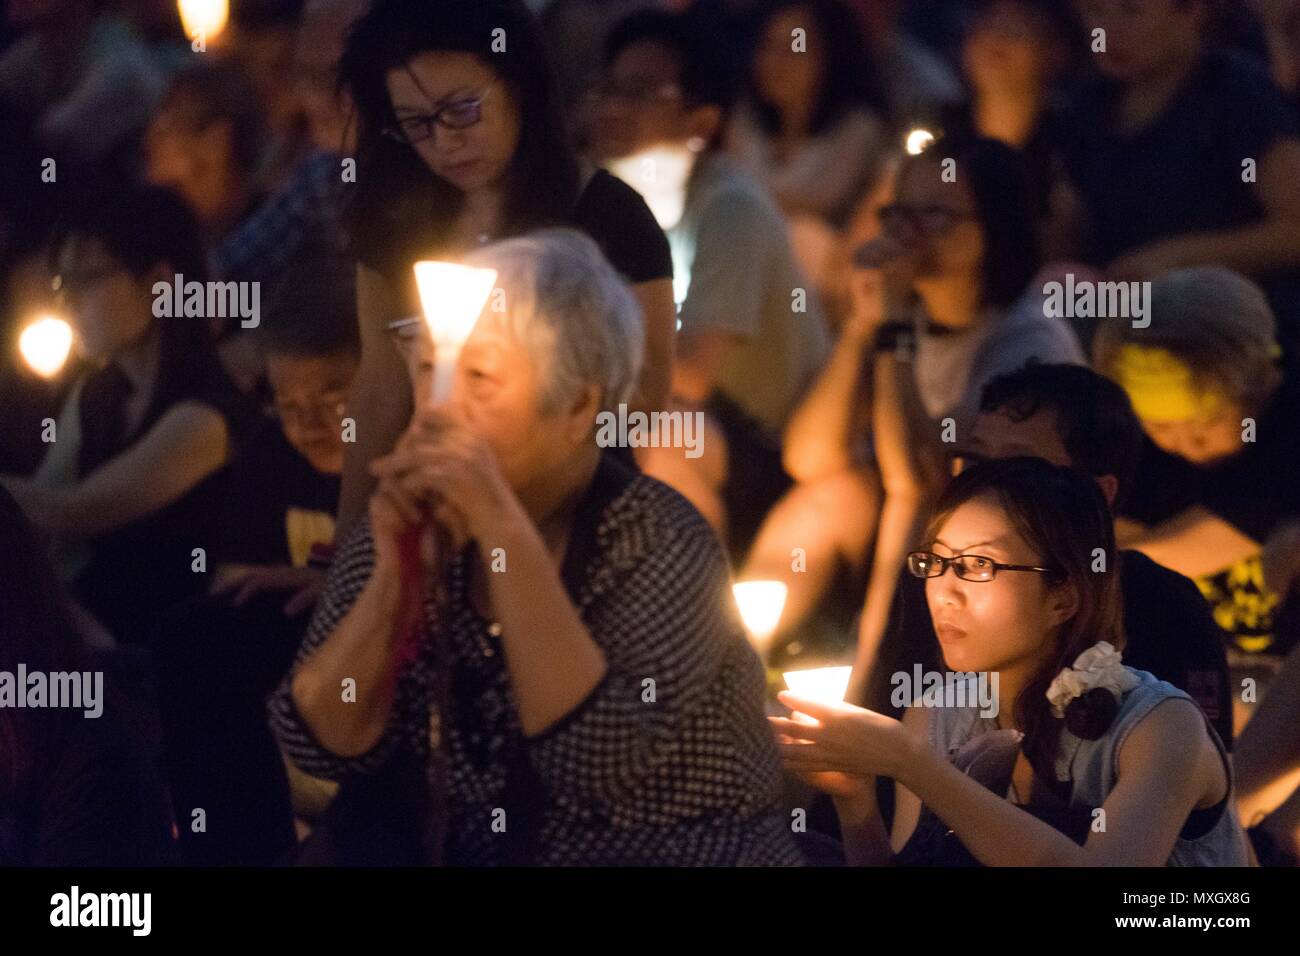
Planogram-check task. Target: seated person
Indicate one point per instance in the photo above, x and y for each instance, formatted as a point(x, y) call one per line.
point(1074, 417)
point(940, 287)
point(206, 142)
point(810, 129)
point(128, 488)
point(1069, 732)
point(1219, 416)
point(601, 694)
point(752, 332)
point(77, 784)
point(1167, 104)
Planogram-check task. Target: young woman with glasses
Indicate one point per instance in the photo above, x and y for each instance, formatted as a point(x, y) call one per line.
point(1083, 761)
point(461, 142)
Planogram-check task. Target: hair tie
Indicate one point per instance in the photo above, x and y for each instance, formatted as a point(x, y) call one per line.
point(1087, 695)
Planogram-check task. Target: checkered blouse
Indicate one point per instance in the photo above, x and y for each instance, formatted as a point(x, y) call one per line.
point(668, 761)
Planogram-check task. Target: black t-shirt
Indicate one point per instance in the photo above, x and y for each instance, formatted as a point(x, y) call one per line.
point(1182, 172)
point(1168, 626)
point(96, 796)
point(608, 210)
point(1253, 491)
point(136, 570)
point(265, 486)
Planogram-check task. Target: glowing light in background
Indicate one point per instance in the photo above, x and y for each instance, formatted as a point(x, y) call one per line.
point(451, 296)
point(917, 140)
point(760, 604)
point(661, 176)
point(205, 18)
point(45, 344)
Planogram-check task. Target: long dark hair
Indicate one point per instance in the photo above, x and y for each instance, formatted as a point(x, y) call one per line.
point(847, 79)
point(400, 208)
point(36, 630)
point(995, 173)
point(1062, 515)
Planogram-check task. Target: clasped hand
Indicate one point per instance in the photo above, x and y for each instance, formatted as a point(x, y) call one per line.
point(441, 472)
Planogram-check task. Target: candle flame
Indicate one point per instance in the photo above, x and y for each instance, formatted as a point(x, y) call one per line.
point(760, 604)
point(45, 345)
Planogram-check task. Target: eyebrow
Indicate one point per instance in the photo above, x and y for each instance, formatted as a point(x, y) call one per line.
point(460, 93)
point(994, 542)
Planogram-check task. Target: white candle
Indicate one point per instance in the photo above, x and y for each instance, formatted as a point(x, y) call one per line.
point(451, 296)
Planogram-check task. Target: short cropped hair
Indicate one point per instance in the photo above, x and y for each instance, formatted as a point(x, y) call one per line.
point(1214, 320)
point(571, 310)
point(1094, 418)
point(313, 313)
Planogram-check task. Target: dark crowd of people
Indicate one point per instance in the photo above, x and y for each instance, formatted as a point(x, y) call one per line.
point(969, 327)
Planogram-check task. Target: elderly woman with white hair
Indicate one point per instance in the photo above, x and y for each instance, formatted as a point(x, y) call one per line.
point(556, 676)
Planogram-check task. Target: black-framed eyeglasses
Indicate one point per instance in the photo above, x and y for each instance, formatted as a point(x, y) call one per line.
point(456, 115)
point(931, 219)
point(968, 567)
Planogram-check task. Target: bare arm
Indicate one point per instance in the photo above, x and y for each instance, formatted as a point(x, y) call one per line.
point(360, 648)
point(381, 399)
point(1140, 829)
point(819, 436)
point(910, 459)
point(1194, 542)
point(699, 362)
point(660, 314)
point(187, 444)
point(1267, 754)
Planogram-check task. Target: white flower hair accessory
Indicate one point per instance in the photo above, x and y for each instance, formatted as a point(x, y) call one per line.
point(1099, 667)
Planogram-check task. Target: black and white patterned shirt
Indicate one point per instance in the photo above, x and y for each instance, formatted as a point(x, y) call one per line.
point(681, 771)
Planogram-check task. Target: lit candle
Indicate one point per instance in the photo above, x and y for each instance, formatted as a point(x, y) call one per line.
point(45, 344)
point(451, 296)
point(825, 685)
point(760, 604)
point(203, 18)
point(917, 140)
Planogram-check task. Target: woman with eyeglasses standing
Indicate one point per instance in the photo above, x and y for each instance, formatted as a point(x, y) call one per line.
point(461, 142)
point(1079, 760)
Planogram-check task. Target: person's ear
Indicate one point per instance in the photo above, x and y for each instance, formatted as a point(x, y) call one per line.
point(1109, 486)
point(1062, 602)
point(581, 415)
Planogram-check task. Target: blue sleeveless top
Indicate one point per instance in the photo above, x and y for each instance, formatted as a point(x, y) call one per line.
point(1090, 767)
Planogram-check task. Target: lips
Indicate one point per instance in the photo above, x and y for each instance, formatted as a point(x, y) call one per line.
point(946, 632)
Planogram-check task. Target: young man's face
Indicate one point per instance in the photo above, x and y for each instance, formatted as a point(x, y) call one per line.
point(640, 103)
point(997, 434)
point(1142, 36)
point(110, 308)
point(310, 394)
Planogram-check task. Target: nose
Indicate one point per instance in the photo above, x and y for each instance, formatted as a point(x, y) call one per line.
point(946, 590)
point(447, 140)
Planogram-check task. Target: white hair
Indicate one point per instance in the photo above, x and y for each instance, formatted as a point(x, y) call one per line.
point(565, 304)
